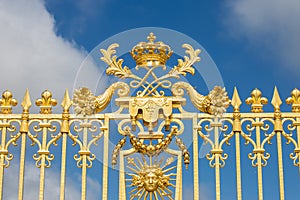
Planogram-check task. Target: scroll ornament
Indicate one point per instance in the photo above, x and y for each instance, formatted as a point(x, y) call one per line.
point(86, 103)
point(214, 103)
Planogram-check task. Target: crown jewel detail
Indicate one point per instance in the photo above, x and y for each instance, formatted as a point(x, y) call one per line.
point(151, 53)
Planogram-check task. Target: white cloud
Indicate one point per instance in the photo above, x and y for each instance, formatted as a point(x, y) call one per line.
point(52, 184)
point(270, 24)
point(205, 192)
point(32, 55)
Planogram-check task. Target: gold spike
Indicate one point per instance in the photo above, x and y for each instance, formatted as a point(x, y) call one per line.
point(294, 100)
point(276, 101)
point(7, 102)
point(257, 101)
point(66, 103)
point(236, 101)
point(26, 103)
point(46, 102)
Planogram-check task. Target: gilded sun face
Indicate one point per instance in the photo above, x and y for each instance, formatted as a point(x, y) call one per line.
point(150, 181)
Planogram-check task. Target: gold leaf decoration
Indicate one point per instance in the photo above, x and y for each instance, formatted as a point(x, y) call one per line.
point(185, 66)
point(86, 103)
point(200, 101)
point(102, 101)
point(214, 103)
point(115, 66)
point(219, 101)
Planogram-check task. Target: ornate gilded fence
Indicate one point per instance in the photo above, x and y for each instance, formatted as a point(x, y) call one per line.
point(149, 128)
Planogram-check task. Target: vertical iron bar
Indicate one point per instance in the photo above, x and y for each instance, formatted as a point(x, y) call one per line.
point(63, 166)
point(195, 160)
point(83, 178)
point(238, 165)
point(105, 158)
point(84, 163)
point(2, 155)
point(259, 163)
point(122, 187)
point(217, 159)
point(22, 166)
point(43, 161)
point(280, 165)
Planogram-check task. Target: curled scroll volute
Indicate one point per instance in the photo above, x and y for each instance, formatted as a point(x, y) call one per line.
point(86, 103)
point(214, 103)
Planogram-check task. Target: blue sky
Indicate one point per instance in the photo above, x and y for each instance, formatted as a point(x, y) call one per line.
point(254, 43)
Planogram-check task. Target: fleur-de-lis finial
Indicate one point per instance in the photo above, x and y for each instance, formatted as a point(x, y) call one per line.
point(257, 101)
point(46, 102)
point(151, 37)
point(294, 100)
point(7, 102)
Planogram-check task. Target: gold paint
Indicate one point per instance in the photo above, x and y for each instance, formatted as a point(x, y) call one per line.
point(257, 101)
point(294, 100)
point(276, 102)
point(149, 121)
point(64, 129)
point(150, 53)
point(236, 103)
point(46, 102)
point(7, 102)
point(26, 104)
point(195, 158)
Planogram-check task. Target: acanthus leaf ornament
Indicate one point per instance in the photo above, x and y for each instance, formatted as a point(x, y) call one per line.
point(115, 66)
point(150, 109)
point(86, 103)
point(214, 103)
point(149, 124)
point(186, 65)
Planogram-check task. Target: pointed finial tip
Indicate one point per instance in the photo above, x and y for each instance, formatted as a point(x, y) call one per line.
point(236, 101)
point(66, 103)
point(276, 101)
point(26, 103)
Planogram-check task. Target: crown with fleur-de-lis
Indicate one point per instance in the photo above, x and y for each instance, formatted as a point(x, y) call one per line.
point(151, 53)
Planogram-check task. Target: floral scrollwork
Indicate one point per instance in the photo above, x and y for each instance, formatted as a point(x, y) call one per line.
point(213, 155)
point(185, 66)
point(115, 66)
point(48, 157)
point(295, 156)
point(292, 126)
point(86, 103)
point(7, 158)
point(214, 103)
point(259, 154)
point(84, 156)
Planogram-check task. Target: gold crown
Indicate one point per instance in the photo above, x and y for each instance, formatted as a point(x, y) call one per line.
point(150, 53)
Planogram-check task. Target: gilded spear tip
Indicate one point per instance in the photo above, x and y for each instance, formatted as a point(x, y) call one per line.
point(276, 101)
point(236, 101)
point(26, 103)
point(66, 103)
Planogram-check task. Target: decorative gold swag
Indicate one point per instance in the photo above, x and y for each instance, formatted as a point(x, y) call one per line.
point(148, 122)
